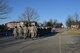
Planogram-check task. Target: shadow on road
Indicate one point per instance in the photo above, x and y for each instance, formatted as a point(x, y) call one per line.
point(41, 33)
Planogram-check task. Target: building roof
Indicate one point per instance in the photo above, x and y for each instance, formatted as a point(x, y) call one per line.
point(21, 21)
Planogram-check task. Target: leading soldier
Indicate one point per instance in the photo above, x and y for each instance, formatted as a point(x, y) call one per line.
point(33, 31)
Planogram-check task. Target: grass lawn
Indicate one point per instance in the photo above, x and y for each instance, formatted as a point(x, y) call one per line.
point(72, 32)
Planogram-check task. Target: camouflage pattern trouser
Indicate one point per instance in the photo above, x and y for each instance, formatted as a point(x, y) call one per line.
point(25, 35)
point(20, 35)
point(15, 35)
point(32, 35)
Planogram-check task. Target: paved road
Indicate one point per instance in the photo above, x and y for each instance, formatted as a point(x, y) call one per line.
point(70, 44)
point(55, 44)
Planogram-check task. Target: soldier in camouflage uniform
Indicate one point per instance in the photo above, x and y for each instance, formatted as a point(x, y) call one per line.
point(33, 31)
point(15, 33)
point(20, 31)
point(25, 31)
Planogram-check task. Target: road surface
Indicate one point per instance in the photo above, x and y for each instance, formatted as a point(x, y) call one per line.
point(58, 43)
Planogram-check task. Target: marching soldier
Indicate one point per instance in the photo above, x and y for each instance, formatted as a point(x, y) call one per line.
point(35, 31)
point(20, 31)
point(15, 32)
point(31, 31)
point(25, 31)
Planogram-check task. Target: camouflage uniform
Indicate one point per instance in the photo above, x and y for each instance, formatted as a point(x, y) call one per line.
point(15, 32)
point(20, 32)
point(25, 31)
point(33, 31)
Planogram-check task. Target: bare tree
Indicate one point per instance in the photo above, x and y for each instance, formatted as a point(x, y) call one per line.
point(54, 22)
point(4, 9)
point(76, 16)
point(69, 21)
point(29, 15)
point(73, 20)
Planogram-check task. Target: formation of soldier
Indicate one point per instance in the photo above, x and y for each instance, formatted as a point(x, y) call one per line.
point(31, 31)
point(24, 31)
